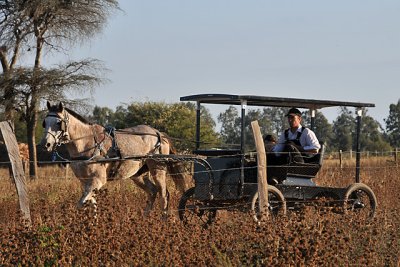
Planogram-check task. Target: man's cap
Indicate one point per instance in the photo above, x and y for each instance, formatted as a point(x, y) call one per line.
point(293, 111)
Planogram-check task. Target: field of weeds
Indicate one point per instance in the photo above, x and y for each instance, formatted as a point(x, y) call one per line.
point(61, 235)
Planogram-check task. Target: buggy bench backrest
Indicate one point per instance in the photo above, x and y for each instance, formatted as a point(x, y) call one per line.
point(309, 168)
point(319, 157)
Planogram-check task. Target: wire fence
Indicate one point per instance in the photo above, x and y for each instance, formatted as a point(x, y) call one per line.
point(364, 154)
point(350, 154)
point(337, 166)
point(332, 161)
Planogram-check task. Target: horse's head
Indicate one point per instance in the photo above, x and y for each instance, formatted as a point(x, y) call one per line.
point(55, 126)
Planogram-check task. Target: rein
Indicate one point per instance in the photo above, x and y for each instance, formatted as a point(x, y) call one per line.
point(98, 146)
point(64, 138)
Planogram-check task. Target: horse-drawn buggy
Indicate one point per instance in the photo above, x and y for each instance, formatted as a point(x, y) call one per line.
point(224, 178)
point(227, 177)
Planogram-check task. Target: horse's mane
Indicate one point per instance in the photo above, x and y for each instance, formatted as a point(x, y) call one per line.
point(79, 117)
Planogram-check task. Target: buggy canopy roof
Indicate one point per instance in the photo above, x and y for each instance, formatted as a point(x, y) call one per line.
point(253, 100)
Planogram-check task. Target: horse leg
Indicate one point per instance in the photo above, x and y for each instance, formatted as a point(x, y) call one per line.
point(179, 175)
point(150, 188)
point(159, 176)
point(91, 185)
point(139, 175)
point(88, 196)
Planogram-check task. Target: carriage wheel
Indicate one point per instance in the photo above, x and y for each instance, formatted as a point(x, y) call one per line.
point(276, 203)
point(361, 200)
point(195, 212)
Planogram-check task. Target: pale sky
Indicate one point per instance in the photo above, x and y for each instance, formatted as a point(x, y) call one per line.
point(159, 50)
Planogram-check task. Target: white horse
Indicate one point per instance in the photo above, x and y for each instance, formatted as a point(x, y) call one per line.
point(87, 142)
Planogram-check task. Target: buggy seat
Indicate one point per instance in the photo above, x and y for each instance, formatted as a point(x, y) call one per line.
point(306, 170)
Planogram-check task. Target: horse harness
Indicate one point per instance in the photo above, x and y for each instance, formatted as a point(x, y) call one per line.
point(63, 138)
point(157, 146)
point(63, 127)
point(111, 131)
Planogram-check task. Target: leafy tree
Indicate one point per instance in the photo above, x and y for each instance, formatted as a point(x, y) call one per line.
point(252, 115)
point(265, 122)
point(322, 128)
point(177, 120)
point(393, 124)
point(271, 121)
point(230, 126)
point(343, 130)
point(274, 120)
point(342, 135)
point(30, 26)
point(208, 134)
point(102, 115)
point(371, 138)
point(119, 117)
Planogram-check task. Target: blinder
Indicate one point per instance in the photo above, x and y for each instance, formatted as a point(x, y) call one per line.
point(63, 124)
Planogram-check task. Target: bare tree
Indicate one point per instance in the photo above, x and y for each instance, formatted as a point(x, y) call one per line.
point(29, 27)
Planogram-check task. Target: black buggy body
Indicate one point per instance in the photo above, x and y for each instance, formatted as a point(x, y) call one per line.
point(228, 176)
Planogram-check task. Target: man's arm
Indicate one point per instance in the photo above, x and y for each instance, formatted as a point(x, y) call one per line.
point(305, 149)
point(310, 141)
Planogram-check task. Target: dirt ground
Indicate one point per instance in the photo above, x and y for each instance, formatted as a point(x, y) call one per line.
point(61, 235)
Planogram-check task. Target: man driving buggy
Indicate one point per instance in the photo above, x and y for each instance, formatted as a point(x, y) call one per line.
point(296, 142)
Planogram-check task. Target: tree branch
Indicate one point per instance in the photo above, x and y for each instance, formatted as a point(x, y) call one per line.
point(3, 58)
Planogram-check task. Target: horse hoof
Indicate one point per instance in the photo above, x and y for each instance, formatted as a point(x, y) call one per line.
point(165, 215)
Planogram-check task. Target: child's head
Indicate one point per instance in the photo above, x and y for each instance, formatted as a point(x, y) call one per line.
point(269, 138)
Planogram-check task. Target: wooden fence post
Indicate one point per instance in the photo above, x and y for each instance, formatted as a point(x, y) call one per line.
point(17, 169)
point(341, 159)
point(261, 170)
point(66, 170)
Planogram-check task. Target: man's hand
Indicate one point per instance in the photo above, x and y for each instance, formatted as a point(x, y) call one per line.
point(299, 148)
point(311, 151)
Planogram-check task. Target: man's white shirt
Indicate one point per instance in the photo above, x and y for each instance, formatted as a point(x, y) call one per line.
point(308, 140)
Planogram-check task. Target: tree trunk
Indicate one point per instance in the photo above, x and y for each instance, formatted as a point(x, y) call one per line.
point(31, 115)
point(32, 110)
point(31, 125)
point(9, 98)
point(9, 111)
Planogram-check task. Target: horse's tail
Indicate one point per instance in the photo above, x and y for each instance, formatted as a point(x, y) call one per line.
point(178, 170)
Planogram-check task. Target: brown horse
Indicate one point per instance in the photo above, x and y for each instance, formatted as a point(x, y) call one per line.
point(87, 142)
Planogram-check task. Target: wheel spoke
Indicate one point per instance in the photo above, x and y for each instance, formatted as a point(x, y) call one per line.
point(276, 204)
point(361, 201)
point(195, 212)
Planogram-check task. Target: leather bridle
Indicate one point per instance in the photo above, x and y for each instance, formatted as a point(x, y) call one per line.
point(61, 136)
